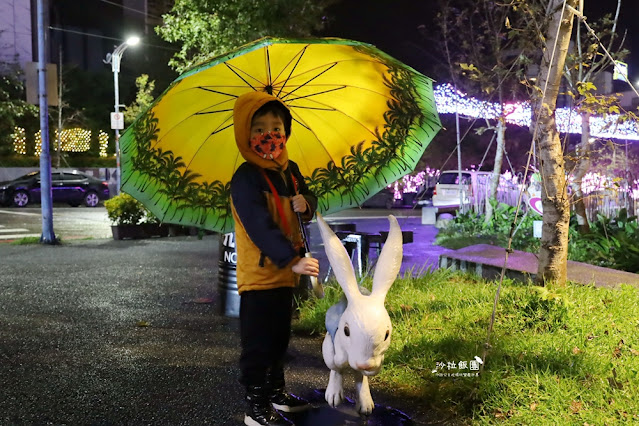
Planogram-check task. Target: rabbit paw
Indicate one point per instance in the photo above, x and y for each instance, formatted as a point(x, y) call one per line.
point(334, 397)
point(364, 405)
point(334, 391)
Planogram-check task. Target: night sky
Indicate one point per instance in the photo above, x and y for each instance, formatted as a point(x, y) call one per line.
point(628, 18)
point(392, 27)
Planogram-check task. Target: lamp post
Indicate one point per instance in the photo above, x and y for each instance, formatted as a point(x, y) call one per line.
point(114, 59)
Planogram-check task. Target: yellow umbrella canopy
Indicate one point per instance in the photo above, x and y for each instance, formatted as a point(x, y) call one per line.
point(361, 120)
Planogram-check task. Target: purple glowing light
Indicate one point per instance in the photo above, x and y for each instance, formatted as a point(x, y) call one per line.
point(449, 101)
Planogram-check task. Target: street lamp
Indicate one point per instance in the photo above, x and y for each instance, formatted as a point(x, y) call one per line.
point(114, 59)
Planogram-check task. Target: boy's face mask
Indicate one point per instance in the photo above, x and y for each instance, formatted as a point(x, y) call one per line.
point(268, 145)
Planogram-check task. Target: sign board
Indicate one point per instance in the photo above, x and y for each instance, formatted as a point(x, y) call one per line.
point(117, 121)
point(32, 89)
point(537, 226)
point(535, 205)
point(621, 71)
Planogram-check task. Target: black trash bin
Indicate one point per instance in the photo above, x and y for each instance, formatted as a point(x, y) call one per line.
point(227, 277)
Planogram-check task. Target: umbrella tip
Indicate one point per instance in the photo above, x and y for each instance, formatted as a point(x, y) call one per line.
point(269, 89)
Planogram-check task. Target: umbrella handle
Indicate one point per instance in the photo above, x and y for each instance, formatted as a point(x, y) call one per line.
point(318, 290)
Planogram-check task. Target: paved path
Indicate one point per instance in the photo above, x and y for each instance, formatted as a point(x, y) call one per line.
point(130, 332)
point(522, 265)
point(419, 255)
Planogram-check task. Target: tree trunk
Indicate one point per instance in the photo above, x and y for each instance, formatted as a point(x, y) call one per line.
point(553, 253)
point(499, 159)
point(581, 168)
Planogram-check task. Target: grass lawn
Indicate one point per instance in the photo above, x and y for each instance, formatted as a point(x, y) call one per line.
point(557, 356)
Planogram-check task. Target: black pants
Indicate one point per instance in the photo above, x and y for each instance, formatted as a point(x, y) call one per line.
point(265, 329)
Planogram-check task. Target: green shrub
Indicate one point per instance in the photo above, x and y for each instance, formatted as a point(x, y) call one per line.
point(612, 242)
point(472, 228)
point(125, 210)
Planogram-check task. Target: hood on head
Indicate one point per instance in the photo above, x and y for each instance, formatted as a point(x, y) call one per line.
point(243, 111)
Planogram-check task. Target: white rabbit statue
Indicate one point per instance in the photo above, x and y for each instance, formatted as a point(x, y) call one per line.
point(358, 326)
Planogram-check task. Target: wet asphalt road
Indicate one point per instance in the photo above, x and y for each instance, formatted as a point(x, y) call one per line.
point(68, 222)
point(108, 332)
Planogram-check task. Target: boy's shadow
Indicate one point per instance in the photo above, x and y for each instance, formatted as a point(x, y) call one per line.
point(323, 415)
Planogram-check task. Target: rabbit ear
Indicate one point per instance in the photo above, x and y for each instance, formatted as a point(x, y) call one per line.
point(390, 260)
point(339, 260)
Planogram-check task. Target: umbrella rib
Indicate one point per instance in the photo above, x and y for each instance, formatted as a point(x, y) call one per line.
point(317, 93)
point(231, 68)
point(299, 55)
point(217, 91)
point(213, 112)
point(202, 144)
point(307, 71)
point(302, 124)
point(220, 130)
point(313, 133)
point(159, 140)
point(313, 108)
point(324, 107)
point(308, 81)
point(268, 72)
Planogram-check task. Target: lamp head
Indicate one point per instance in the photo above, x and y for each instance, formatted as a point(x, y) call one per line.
point(133, 40)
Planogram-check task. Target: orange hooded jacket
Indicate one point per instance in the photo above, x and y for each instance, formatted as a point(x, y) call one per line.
point(265, 254)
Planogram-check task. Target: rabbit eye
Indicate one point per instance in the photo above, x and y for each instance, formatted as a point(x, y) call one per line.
point(387, 334)
point(347, 331)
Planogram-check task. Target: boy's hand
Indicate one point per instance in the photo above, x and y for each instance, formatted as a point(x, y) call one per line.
point(307, 266)
point(299, 203)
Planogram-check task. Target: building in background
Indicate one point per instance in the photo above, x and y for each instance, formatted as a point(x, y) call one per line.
point(16, 40)
point(155, 10)
point(81, 33)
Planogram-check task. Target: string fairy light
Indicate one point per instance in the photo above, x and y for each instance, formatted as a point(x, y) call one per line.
point(38, 143)
point(612, 126)
point(19, 140)
point(103, 138)
point(74, 140)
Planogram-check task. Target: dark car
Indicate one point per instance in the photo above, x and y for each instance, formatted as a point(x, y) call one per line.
point(383, 199)
point(67, 187)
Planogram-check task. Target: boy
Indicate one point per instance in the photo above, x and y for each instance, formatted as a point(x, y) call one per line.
point(267, 191)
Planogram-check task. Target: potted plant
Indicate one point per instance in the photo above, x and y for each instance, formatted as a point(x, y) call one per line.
point(130, 219)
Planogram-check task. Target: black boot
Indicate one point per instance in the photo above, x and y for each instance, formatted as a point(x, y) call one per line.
point(284, 401)
point(260, 411)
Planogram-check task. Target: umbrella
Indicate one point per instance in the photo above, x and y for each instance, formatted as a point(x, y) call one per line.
point(361, 120)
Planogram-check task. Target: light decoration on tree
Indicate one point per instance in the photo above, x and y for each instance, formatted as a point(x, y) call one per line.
point(412, 183)
point(634, 189)
point(507, 181)
point(74, 140)
point(508, 177)
point(593, 182)
point(449, 101)
point(38, 143)
point(19, 140)
point(103, 138)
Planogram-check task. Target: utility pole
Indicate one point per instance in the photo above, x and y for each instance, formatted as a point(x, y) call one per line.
point(59, 147)
point(114, 59)
point(47, 237)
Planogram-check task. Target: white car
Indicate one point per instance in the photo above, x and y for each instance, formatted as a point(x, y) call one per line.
point(447, 190)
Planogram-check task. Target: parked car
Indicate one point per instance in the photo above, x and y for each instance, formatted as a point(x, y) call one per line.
point(384, 199)
point(447, 190)
point(74, 188)
point(425, 195)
